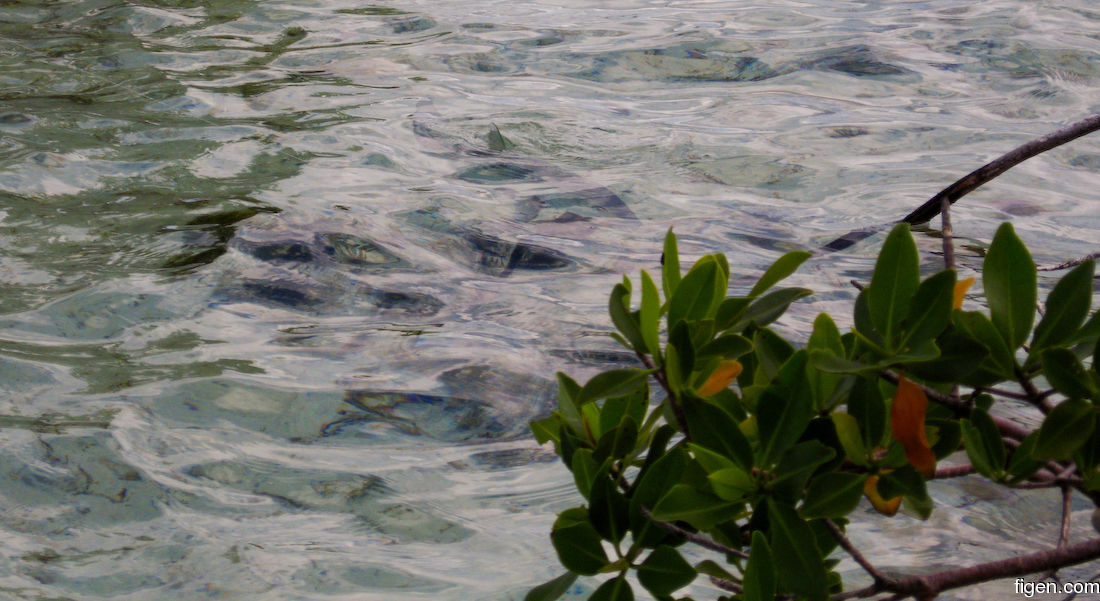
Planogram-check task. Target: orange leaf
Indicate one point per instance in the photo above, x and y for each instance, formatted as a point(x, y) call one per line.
point(907, 424)
point(961, 287)
point(721, 378)
point(870, 489)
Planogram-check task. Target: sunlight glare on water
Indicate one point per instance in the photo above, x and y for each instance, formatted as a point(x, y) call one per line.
point(274, 317)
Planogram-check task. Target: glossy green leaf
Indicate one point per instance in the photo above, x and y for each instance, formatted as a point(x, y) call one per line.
point(694, 296)
point(577, 543)
point(783, 267)
point(625, 321)
point(902, 482)
point(948, 437)
point(832, 495)
point(1066, 373)
point(893, 283)
point(616, 589)
point(655, 483)
point(798, 562)
point(701, 509)
point(851, 439)
point(1008, 274)
point(714, 428)
point(796, 466)
point(584, 468)
point(782, 413)
point(649, 317)
point(612, 383)
point(633, 405)
point(864, 328)
point(568, 408)
point(732, 483)
point(960, 355)
point(670, 265)
point(1065, 429)
point(608, 508)
point(771, 352)
point(730, 311)
point(728, 346)
point(985, 454)
point(832, 364)
point(546, 430)
point(1066, 308)
point(930, 310)
point(618, 442)
point(759, 576)
point(1023, 465)
point(983, 331)
point(665, 571)
point(770, 307)
point(552, 589)
point(867, 405)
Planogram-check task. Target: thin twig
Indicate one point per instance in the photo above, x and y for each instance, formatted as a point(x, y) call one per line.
point(702, 541)
point(726, 585)
point(1068, 264)
point(1067, 501)
point(859, 593)
point(880, 579)
point(955, 471)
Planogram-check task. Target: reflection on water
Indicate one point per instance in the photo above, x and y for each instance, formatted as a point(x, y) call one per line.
point(283, 283)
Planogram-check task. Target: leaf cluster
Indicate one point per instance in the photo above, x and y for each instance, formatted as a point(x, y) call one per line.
point(733, 437)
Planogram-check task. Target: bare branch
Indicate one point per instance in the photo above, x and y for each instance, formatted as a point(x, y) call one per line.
point(702, 541)
point(955, 471)
point(948, 245)
point(998, 166)
point(881, 580)
point(1068, 264)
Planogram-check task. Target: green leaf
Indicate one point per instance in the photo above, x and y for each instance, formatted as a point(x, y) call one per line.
point(577, 543)
point(847, 430)
point(694, 296)
point(983, 443)
point(665, 571)
point(568, 407)
point(772, 350)
point(698, 508)
point(1065, 429)
point(770, 307)
point(960, 355)
point(618, 442)
point(546, 429)
point(866, 404)
point(832, 495)
point(1000, 360)
point(783, 267)
point(612, 383)
point(1022, 465)
point(732, 483)
point(626, 322)
point(670, 265)
point(584, 469)
point(661, 476)
point(616, 589)
point(930, 310)
point(608, 510)
point(710, 568)
point(759, 576)
point(1065, 372)
point(798, 563)
point(783, 412)
point(714, 428)
point(1008, 274)
point(832, 364)
point(729, 346)
point(902, 482)
point(895, 279)
point(552, 589)
point(649, 316)
point(1066, 308)
point(796, 466)
point(730, 311)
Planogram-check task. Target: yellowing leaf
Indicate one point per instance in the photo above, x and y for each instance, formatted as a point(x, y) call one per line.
point(721, 378)
point(907, 424)
point(961, 287)
point(870, 489)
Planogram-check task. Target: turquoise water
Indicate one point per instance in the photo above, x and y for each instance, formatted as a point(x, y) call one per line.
point(273, 321)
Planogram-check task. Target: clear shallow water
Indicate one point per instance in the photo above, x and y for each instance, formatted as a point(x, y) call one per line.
point(272, 327)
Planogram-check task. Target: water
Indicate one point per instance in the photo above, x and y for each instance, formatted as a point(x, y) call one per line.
point(263, 336)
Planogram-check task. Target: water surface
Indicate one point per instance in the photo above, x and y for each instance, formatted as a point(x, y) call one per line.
point(273, 317)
